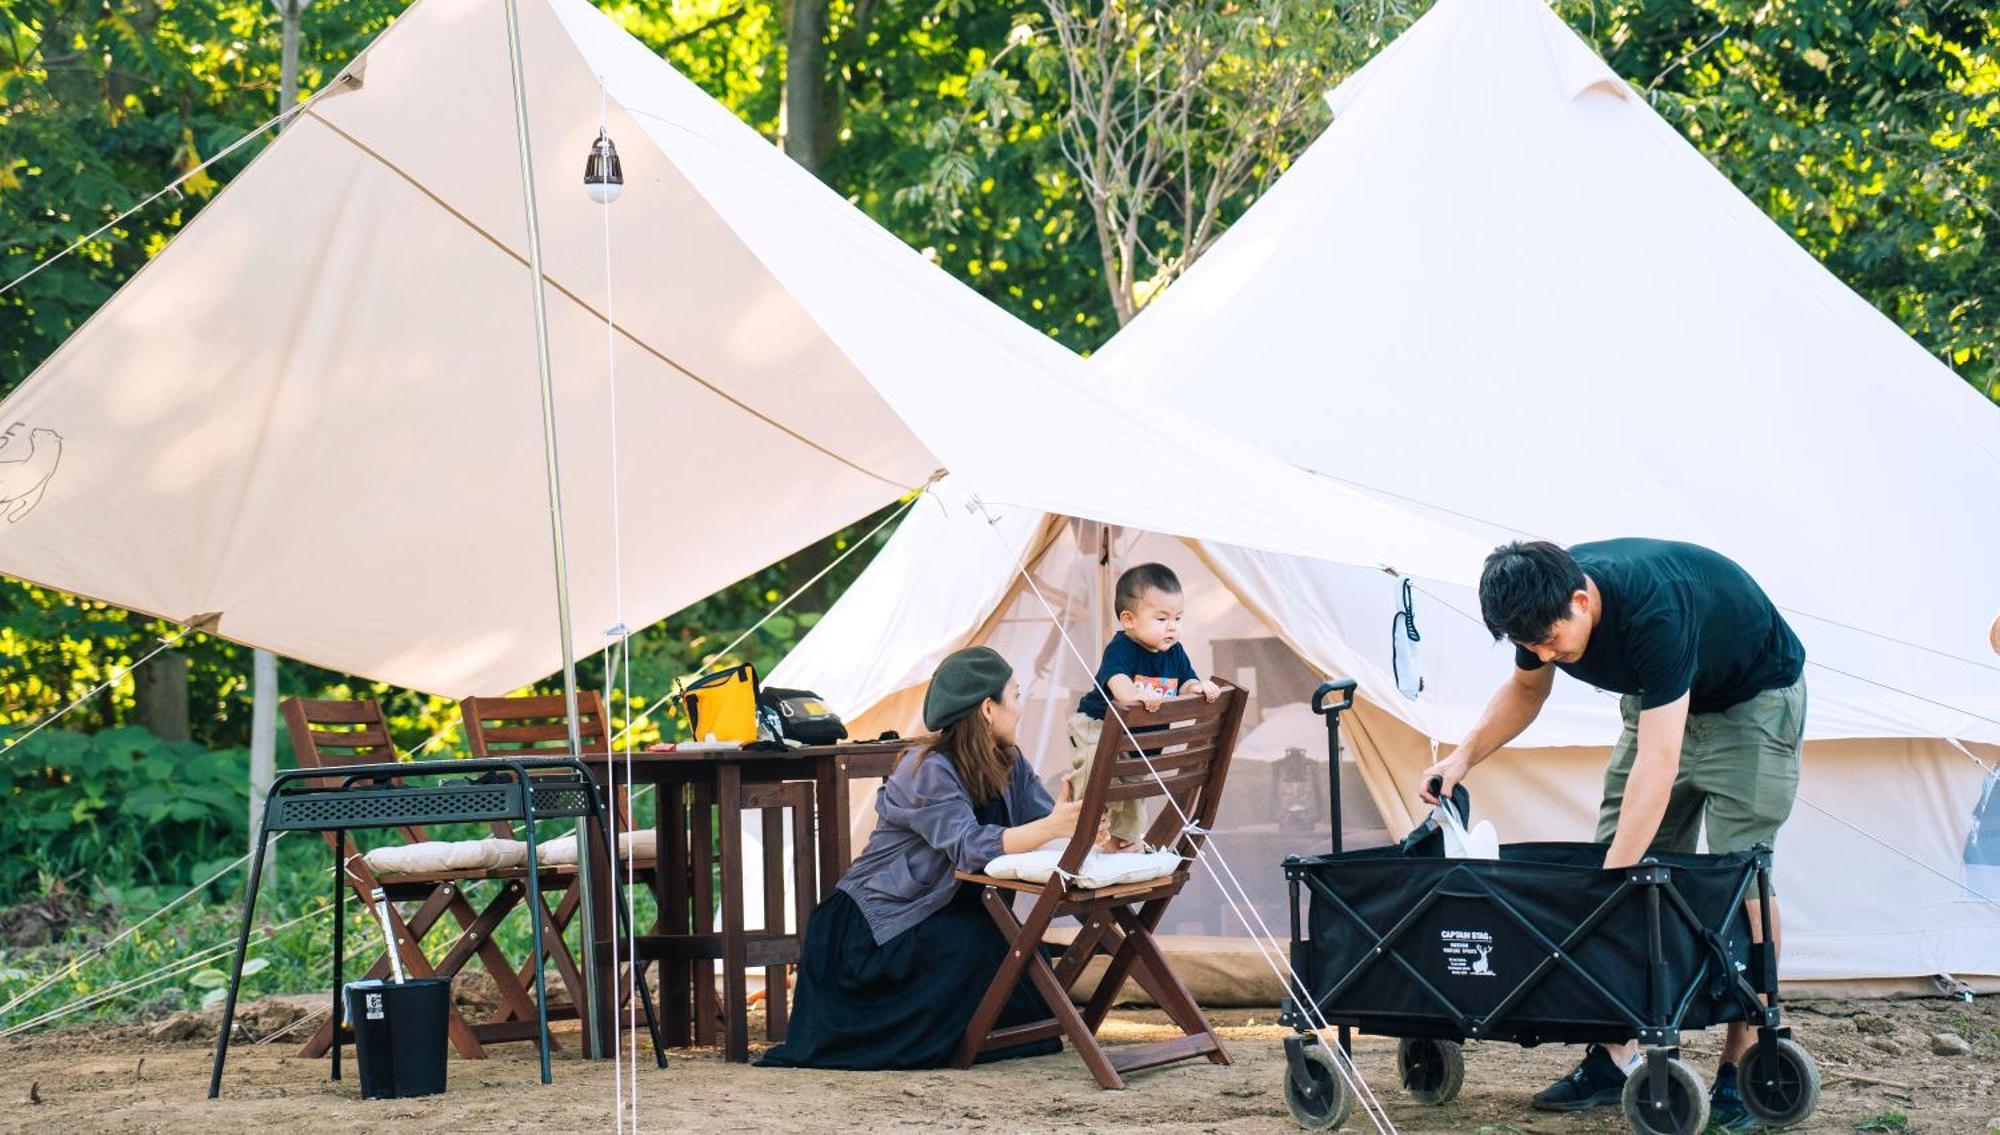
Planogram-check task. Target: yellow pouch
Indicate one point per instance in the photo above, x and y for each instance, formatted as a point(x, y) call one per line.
point(722, 706)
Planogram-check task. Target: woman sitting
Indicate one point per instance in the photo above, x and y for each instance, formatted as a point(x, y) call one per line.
point(895, 961)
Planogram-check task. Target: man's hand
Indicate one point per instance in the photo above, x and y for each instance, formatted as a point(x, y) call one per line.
point(1649, 784)
point(1449, 771)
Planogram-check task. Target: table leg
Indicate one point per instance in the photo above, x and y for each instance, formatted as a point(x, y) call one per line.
point(671, 889)
point(599, 1011)
point(735, 992)
point(831, 789)
point(774, 918)
point(702, 854)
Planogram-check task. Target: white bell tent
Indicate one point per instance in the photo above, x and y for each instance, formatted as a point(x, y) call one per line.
point(1502, 291)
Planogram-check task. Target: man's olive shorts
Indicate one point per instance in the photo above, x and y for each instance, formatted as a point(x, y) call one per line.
point(1739, 773)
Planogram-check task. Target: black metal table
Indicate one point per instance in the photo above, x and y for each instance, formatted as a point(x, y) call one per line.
point(379, 796)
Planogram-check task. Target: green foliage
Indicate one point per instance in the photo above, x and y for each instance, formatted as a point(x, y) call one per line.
point(1887, 1121)
point(1868, 129)
point(121, 805)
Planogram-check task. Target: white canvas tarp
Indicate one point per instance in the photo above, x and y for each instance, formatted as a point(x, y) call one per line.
point(313, 420)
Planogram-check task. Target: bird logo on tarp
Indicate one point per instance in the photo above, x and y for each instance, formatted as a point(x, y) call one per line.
point(28, 459)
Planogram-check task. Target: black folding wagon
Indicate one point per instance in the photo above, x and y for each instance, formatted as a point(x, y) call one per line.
point(1541, 945)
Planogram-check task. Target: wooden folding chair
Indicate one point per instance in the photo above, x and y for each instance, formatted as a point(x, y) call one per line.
point(537, 726)
point(335, 734)
point(1190, 745)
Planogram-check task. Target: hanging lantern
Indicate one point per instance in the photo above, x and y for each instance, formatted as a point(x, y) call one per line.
point(603, 176)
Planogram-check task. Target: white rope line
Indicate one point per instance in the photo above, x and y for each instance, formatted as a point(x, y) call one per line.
point(786, 601)
point(1260, 933)
point(114, 679)
point(170, 970)
point(1969, 754)
point(1866, 834)
point(76, 964)
point(275, 120)
point(612, 673)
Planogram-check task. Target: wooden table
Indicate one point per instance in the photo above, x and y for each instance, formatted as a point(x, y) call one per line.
point(689, 783)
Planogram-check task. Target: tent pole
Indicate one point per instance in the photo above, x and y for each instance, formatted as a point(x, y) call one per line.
point(264, 664)
point(553, 464)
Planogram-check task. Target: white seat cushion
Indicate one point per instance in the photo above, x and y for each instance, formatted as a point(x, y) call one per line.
point(447, 855)
point(561, 852)
point(1099, 868)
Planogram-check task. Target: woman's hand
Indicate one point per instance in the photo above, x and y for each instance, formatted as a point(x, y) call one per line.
point(1061, 821)
point(1033, 834)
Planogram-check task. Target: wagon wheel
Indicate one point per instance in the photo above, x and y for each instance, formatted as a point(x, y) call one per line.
point(1432, 1071)
point(1782, 1089)
point(1322, 1101)
point(1684, 1111)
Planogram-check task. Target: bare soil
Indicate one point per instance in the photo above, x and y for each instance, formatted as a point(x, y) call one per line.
point(1878, 1058)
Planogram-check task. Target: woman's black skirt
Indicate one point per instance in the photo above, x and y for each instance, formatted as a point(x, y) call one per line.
point(904, 1003)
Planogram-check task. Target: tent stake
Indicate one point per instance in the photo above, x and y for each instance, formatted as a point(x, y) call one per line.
point(553, 464)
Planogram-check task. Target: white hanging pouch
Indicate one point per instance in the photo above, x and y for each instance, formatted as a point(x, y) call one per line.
point(1405, 655)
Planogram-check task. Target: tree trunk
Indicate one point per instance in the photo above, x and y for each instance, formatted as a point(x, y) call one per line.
point(160, 696)
point(805, 83)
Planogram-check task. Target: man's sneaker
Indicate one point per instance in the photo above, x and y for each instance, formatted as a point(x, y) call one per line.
point(1725, 1103)
point(1597, 1080)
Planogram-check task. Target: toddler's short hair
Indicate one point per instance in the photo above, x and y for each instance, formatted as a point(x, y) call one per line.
point(1138, 580)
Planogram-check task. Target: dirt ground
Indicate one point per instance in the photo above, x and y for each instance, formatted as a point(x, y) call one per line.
point(1878, 1058)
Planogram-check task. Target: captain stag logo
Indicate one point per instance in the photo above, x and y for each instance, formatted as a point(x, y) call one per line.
point(1468, 953)
point(373, 1006)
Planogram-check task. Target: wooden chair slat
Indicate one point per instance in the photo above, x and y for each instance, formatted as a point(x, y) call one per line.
point(370, 737)
point(1146, 788)
point(323, 712)
point(1189, 733)
point(537, 735)
point(1195, 756)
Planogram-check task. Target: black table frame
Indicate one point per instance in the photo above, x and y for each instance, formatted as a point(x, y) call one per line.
point(376, 796)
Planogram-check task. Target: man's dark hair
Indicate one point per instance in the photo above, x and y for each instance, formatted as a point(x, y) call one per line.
point(1135, 582)
point(1525, 589)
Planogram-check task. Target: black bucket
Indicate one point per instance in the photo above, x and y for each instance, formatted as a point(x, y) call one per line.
point(399, 1035)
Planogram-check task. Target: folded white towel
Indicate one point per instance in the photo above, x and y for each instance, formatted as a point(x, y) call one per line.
point(1099, 868)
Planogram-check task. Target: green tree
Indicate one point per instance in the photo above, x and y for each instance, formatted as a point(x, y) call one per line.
point(1869, 129)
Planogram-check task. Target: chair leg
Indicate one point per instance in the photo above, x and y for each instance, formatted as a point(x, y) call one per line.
point(409, 935)
point(476, 938)
point(1025, 954)
point(1081, 949)
point(1167, 987)
point(236, 966)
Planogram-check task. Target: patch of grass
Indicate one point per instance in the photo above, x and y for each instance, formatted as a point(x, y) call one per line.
point(1887, 1121)
point(297, 959)
point(1973, 1028)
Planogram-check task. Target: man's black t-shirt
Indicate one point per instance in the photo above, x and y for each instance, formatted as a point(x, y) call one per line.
point(1154, 671)
point(1679, 619)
